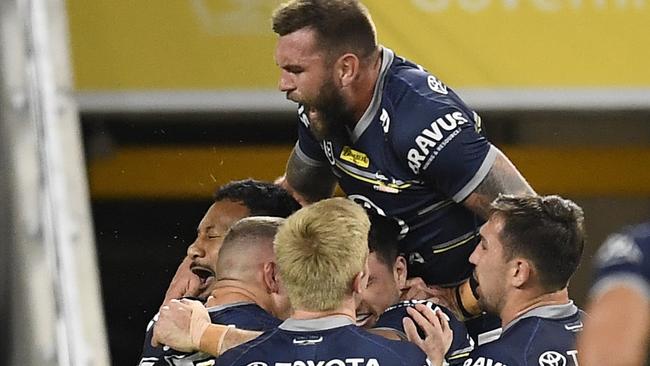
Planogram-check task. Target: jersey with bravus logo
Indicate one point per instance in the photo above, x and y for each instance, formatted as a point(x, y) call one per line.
point(414, 155)
point(624, 259)
point(461, 344)
point(243, 315)
point(544, 336)
point(328, 341)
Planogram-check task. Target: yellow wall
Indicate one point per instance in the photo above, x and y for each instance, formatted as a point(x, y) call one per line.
point(228, 44)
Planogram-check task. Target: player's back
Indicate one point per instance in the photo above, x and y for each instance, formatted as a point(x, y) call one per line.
point(544, 336)
point(243, 315)
point(328, 341)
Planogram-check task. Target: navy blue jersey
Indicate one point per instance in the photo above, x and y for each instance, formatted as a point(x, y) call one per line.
point(241, 315)
point(414, 155)
point(624, 259)
point(329, 341)
point(461, 344)
point(544, 336)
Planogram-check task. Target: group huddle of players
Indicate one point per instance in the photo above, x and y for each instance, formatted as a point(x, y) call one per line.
point(466, 263)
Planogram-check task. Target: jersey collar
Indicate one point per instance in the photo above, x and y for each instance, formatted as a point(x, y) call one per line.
point(547, 312)
point(375, 103)
point(216, 308)
point(306, 325)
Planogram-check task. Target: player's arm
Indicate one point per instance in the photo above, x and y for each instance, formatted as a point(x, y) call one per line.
point(502, 178)
point(624, 312)
point(308, 180)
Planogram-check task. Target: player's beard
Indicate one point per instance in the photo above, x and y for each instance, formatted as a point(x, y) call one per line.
point(330, 116)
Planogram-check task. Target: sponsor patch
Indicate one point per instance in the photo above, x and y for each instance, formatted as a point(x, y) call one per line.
point(355, 157)
point(436, 85)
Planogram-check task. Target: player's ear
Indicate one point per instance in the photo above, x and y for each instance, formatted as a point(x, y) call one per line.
point(521, 271)
point(271, 277)
point(347, 69)
point(399, 271)
point(361, 280)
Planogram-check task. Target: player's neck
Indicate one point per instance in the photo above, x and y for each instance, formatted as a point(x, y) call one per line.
point(347, 308)
point(523, 305)
point(362, 94)
point(233, 291)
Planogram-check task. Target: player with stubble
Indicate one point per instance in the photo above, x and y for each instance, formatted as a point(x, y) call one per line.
point(393, 136)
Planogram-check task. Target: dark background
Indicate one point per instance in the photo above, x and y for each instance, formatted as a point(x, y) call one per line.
point(141, 240)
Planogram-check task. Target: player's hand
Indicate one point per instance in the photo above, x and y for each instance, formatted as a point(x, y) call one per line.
point(181, 325)
point(184, 283)
point(438, 335)
point(415, 289)
point(282, 182)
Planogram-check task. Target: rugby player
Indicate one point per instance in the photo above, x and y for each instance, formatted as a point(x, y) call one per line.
point(395, 138)
point(617, 331)
point(381, 310)
point(322, 253)
point(529, 249)
point(232, 202)
point(246, 292)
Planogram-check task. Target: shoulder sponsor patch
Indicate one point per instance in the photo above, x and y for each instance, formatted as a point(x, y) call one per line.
point(436, 85)
point(355, 157)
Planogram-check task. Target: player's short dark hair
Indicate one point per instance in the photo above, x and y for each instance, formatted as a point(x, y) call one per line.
point(383, 238)
point(261, 198)
point(547, 230)
point(341, 25)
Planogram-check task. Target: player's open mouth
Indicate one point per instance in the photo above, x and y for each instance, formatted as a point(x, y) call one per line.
point(362, 318)
point(206, 275)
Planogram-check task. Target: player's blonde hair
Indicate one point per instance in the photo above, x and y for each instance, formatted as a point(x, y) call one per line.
point(319, 250)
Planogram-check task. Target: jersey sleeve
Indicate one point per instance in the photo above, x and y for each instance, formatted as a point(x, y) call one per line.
point(308, 149)
point(151, 355)
point(444, 148)
point(623, 260)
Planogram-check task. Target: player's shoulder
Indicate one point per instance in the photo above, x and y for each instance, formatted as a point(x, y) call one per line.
point(244, 316)
point(266, 344)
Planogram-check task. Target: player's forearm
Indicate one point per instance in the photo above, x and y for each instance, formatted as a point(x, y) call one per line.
point(312, 183)
point(217, 339)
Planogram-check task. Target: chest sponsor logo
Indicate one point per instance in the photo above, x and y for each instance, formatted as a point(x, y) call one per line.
point(437, 85)
point(333, 362)
point(257, 363)
point(355, 157)
point(552, 358)
point(434, 138)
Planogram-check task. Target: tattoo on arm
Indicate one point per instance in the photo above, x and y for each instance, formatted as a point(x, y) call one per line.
point(311, 182)
point(503, 178)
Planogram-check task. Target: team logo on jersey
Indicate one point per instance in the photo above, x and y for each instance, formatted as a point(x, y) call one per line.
point(355, 157)
point(385, 120)
point(303, 116)
point(307, 341)
point(619, 249)
point(552, 358)
point(329, 151)
point(436, 85)
point(434, 138)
